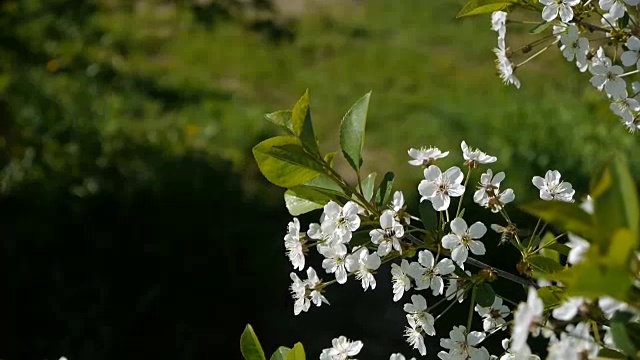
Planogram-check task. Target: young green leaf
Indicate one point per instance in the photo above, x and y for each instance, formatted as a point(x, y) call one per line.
point(328, 158)
point(478, 7)
point(568, 216)
point(621, 247)
point(615, 202)
point(301, 200)
point(283, 161)
point(250, 346)
point(352, 132)
point(301, 123)
point(544, 264)
point(485, 295)
point(383, 194)
point(621, 339)
point(551, 296)
point(367, 186)
point(540, 27)
point(297, 353)
point(281, 353)
point(281, 118)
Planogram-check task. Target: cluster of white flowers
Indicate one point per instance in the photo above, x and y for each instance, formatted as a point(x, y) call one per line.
point(444, 263)
point(588, 33)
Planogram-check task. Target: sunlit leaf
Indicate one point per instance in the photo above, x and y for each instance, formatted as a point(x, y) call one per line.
point(544, 264)
point(615, 202)
point(250, 346)
point(301, 123)
point(281, 353)
point(383, 194)
point(479, 7)
point(367, 186)
point(297, 353)
point(281, 118)
point(352, 132)
point(568, 216)
point(283, 161)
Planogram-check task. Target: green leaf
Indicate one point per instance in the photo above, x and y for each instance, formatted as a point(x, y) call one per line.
point(329, 158)
point(615, 202)
point(592, 277)
point(551, 296)
point(540, 27)
point(621, 338)
point(428, 215)
point(367, 186)
point(325, 185)
point(281, 353)
point(352, 132)
point(301, 123)
point(568, 216)
point(478, 7)
point(281, 118)
point(547, 240)
point(297, 353)
point(301, 200)
point(283, 161)
point(623, 21)
point(621, 247)
point(383, 194)
point(544, 264)
point(250, 346)
point(605, 354)
point(561, 248)
point(485, 296)
point(313, 195)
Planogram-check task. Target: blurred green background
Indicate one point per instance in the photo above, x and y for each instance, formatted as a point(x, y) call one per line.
point(135, 222)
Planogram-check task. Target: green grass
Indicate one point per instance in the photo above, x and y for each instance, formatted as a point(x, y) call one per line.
point(432, 76)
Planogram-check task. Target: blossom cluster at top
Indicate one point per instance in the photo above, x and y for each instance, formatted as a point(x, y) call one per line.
point(600, 37)
point(352, 244)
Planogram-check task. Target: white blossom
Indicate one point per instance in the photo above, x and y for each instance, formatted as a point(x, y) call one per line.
point(341, 221)
point(389, 235)
point(506, 69)
point(430, 276)
point(293, 245)
point(608, 78)
point(414, 336)
point(458, 286)
point(579, 248)
point(553, 8)
point(574, 46)
point(473, 157)
point(552, 188)
point(306, 292)
point(400, 279)
point(438, 187)
point(575, 343)
point(426, 156)
point(342, 349)
point(463, 239)
point(398, 356)
point(493, 316)
point(616, 8)
point(462, 345)
point(418, 311)
point(568, 309)
point(363, 264)
point(525, 319)
point(631, 57)
point(524, 355)
point(335, 261)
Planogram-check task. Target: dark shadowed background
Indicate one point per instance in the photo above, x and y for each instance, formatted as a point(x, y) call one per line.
point(134, 221)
